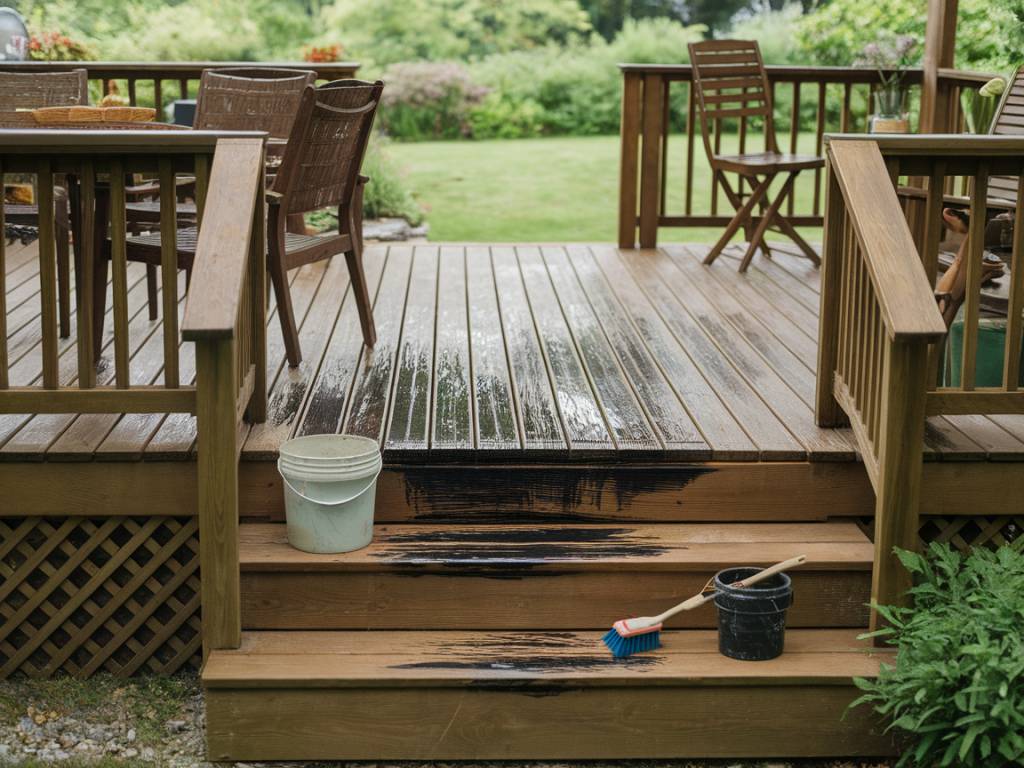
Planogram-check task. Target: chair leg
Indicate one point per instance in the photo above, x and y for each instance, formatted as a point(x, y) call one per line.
point(741, 216)
point(357, 275)
point(766, 219)
point(285, 312)
point(790, 231)
point(152, 296)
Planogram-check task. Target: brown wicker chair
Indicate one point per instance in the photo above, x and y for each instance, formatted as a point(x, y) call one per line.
point(320, 169)
point(229, 99)
point(32, 90)
point(730, 82)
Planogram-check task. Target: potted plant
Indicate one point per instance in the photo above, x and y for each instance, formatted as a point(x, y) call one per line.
point(891, 58)
point(979, 104)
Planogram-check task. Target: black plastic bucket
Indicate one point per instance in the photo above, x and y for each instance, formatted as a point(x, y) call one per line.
point(752, 620)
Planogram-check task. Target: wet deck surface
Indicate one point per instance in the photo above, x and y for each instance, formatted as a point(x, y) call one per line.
point(510, 353)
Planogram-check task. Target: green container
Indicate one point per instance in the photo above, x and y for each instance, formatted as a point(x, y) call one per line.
point(988, 369)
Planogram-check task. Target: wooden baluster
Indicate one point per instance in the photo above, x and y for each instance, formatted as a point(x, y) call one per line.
point(665, 128)
point(258, 263)
point(216, 393)
point(202, 174)
point(1015, 305)
point(833, 263)
point(930, 251)
point(158, 98)
point(47, 273)
point(632, 106)
point(819, 140)
point(183, 87)
point(691, 138)
point(88, 345)
point(845, 116)
point(972, 297)
point(863, 297)
point(169, 270)
point(650, 167)
point(132, 96)
point(794, 133)
point(871, 400)
point(4, 379)
point(119, 274)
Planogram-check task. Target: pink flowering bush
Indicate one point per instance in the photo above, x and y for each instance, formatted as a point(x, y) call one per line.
point(428, 100)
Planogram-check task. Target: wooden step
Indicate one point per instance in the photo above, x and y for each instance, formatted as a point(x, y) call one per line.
point(542, 576)
point(383, 695)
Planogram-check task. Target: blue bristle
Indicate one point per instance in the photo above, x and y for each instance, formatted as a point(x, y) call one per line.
point(621, 647)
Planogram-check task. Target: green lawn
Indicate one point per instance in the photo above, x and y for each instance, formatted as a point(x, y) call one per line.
point(553, 189)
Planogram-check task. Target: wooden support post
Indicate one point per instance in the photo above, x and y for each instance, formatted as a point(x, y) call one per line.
point(898, 490)
point(827, 411)
point(650, 164)
point(629, 160)
point(939, 48)
point(216, 390)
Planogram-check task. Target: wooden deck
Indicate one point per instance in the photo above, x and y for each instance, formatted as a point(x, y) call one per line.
point(520, 353)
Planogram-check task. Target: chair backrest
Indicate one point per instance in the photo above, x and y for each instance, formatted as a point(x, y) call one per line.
point(251, 99)
point(325, 149)
point(32, 90)
point(730, 83)
point(1008, 120)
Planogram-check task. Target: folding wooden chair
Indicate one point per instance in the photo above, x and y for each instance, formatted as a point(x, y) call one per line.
point(730, 82)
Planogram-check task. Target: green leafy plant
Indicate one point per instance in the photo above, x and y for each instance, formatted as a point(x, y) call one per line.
point(428, 100)
point(956, 691)
point(980, 104)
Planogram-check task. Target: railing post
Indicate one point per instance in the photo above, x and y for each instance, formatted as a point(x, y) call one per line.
point(650, 164)
point(216, 392)
point(898, 489)
point(827, 411)
point(629, 135)
point(939, 48)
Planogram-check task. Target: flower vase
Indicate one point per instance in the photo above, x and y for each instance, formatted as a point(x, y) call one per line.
point(891, 115)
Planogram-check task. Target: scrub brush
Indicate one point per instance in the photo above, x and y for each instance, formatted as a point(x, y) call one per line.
point(643, 633)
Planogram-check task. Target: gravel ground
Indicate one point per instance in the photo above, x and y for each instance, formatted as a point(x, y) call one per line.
point(105, 722)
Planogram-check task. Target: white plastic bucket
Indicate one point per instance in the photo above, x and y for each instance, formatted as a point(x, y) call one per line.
point(330, 485)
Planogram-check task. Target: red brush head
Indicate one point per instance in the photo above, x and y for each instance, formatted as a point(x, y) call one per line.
point(625, 630)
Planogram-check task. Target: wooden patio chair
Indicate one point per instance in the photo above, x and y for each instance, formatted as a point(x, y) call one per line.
point(33, 90)
point(730, 82)
point(229, 99)
point(319, 169)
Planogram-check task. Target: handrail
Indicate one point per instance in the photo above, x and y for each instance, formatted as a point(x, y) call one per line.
point(225, 316)
point(881, 332)
point(151, 75)
point(225, 311)
point(839, 98)
point(897, 275)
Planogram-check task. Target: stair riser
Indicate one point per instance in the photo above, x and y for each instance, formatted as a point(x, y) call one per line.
point(550, 722)
point(390, 600)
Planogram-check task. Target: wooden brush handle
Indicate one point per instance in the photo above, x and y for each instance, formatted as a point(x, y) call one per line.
point(698, 600)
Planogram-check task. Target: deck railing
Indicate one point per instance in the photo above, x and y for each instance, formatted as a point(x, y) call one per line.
point(143, 82)
point(224, 314)
point(662, 189)
point(881, 332)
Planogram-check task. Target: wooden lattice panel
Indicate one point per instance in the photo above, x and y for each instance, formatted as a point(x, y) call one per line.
point(83, 595)
point(964, 531)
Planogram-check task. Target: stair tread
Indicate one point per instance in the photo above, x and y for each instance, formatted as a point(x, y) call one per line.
point(333, 659)
point(673, 546)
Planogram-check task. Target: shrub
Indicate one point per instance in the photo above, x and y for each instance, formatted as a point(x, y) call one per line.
point(428, 100)
point(386, 194)
point(956, 691)
point(499, 117)
point(53, 46)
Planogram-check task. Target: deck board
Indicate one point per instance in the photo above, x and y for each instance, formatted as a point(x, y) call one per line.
point(505, 353)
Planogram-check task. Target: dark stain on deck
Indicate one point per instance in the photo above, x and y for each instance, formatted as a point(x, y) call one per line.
point(538, 494)
point(518, 547)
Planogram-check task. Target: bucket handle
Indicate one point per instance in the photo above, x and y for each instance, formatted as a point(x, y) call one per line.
point(353, 497)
